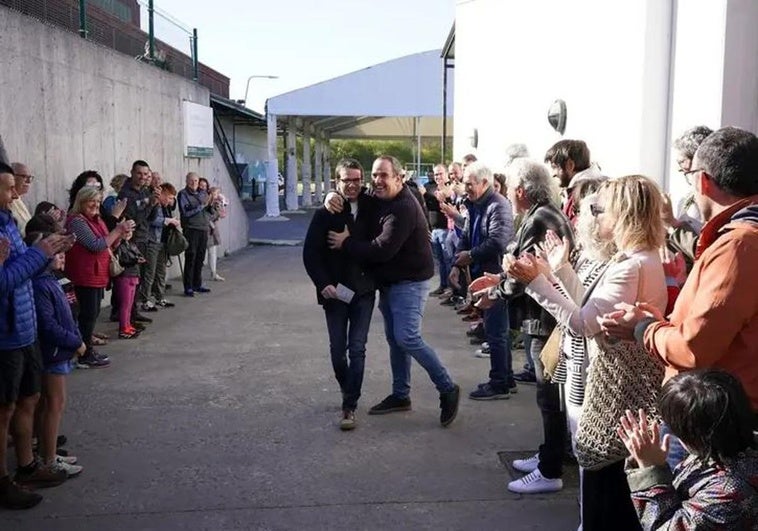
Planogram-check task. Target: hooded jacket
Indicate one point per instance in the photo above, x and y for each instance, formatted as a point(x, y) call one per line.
point(59, 336)
point(18, 320)
point(715, 319)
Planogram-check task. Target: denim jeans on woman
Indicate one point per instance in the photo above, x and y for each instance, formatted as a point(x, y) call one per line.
point(402, 306)
point(348, 326)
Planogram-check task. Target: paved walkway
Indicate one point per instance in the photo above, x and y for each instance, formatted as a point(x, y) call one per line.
point(223, 416)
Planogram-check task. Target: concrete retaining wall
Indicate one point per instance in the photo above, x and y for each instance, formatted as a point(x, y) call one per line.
point(68, 105)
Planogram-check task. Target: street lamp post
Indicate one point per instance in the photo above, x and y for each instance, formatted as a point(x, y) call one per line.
point(247, 85)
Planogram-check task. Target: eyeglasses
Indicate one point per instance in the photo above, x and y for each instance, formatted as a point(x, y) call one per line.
point(27, 178)
point(690, 172)
point(596, 210)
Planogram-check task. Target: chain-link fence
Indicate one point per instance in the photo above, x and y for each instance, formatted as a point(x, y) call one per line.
point(124, 26)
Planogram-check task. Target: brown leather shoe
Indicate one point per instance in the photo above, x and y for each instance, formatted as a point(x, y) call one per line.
point(40, 477)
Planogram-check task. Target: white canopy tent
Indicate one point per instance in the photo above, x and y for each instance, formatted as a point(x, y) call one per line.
point(401, 98)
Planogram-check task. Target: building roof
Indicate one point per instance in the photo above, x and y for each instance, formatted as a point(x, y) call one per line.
point(394, 99)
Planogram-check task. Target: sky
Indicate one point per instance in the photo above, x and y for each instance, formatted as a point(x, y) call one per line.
point(304, 41)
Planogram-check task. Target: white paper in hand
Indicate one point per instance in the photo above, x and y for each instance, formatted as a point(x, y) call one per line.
point(344, 293)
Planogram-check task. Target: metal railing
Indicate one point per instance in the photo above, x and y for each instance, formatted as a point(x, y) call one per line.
point(118, 24)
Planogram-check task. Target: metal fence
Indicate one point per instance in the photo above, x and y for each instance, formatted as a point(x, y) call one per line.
point(124, 26)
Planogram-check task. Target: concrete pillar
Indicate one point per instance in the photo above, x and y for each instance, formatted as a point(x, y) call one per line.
point(317, 173)
point(291, 192)
point(307, 197)
point(272, 170)
point(327, 166)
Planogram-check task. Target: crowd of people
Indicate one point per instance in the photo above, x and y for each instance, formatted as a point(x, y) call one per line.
point(637, 320)
point(55, 266)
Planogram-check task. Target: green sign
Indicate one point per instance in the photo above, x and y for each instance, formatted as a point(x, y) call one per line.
point(199, 152)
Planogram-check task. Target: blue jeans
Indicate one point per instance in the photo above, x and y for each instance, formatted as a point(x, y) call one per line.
point(402, 306)
point(348, 326)
point(443, 259)
point(497, 333)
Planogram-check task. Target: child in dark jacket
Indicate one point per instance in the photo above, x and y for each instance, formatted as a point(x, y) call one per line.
point(716, 487)
point(128, 255)
point(60, 342)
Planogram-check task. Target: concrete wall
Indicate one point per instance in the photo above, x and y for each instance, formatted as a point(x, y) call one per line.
point(67, 105)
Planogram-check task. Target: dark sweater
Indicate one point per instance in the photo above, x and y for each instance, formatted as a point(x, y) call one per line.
point(400, 249)
point(331, 267)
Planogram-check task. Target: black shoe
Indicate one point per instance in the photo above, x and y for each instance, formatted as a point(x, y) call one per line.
point(437, 291)
point(477, 331)
point(449, 405)
point(189, 293)
point(12, 496)
point(390, 405)
point(61, 441)
point(202, 289)
point(139, 318)
point(476, 340)
point(487, 392)
point(525, 377)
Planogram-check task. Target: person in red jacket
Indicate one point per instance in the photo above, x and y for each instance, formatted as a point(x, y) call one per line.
point(87, 263)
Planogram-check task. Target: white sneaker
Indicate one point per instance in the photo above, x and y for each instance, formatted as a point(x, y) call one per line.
point(71, 470)
point(218, 278)
point(481, 353)
point(534, 483)
point(527, 465)
point(68, 459)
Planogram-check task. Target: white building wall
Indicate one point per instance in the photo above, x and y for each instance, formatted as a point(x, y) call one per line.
point(513, 59)
point(634, 75)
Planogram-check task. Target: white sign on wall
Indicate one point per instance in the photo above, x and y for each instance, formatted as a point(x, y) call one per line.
point(198, 130)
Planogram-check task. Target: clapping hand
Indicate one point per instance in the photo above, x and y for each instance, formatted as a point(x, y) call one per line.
point(555, 250)
point(527, 268)
point(643, 441)
point(118, 208)
point(55, 243)
point(620, 324)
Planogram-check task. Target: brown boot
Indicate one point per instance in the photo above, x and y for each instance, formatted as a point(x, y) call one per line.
point(39, 476)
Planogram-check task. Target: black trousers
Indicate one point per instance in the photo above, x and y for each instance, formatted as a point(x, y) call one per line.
point(193, 257)
point(89, 309)
point(606, 500)
point(553, 448)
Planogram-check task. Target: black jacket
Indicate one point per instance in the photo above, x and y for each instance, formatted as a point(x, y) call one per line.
point(330, 267)
point(495, 232)
point(401, 248)
point(437, 219)
point(128, 256)
point(537, 221)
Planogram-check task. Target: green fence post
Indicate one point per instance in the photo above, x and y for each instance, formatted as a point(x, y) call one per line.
point(150, 29)
point(83, 19)
point(194, 54)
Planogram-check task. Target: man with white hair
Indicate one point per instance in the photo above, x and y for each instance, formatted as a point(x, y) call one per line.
point(486, 234)
point(533, 193)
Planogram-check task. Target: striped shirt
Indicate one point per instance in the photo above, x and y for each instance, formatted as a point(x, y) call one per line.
point(574, 347)
point(84, 235)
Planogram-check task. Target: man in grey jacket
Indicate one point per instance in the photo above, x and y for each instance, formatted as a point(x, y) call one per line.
point(193, 205)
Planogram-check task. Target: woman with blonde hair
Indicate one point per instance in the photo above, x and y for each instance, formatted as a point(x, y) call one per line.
point(87, 263)
point(620, 376)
